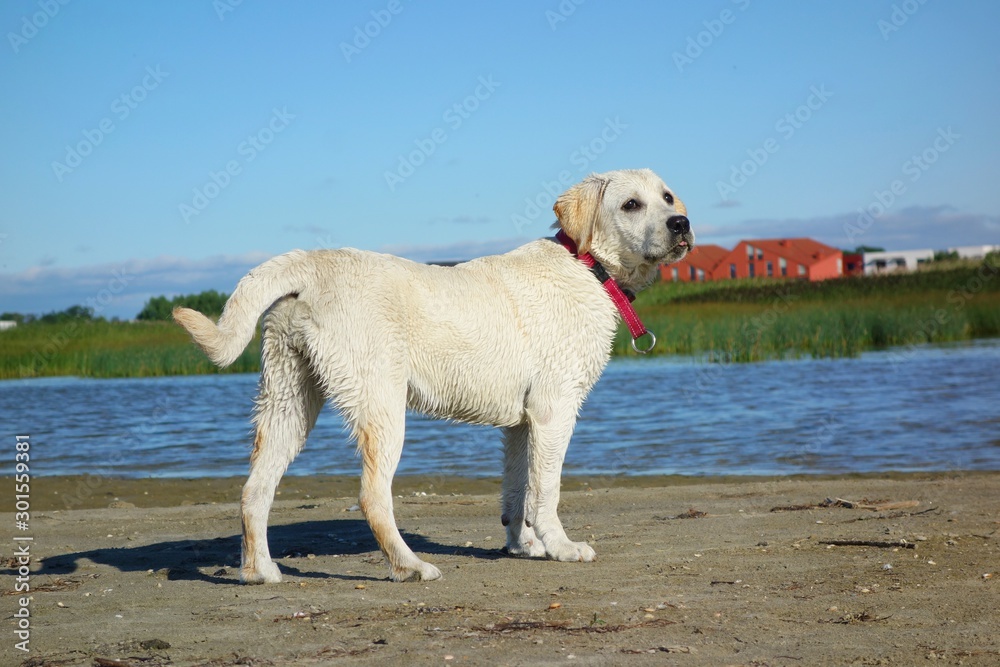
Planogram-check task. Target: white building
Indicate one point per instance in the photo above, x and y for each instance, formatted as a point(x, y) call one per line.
point(974, 251)
point(7, 324)
point(896, 260)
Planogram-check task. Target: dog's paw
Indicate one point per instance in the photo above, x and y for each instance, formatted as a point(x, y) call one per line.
point(530, 548)
point(265, 573)
point(571, 552)
point(420, 571)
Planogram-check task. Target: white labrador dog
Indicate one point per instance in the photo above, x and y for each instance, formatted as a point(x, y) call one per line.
point(514, 341)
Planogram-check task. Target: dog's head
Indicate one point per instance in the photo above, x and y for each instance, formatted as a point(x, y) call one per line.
point(629, 220)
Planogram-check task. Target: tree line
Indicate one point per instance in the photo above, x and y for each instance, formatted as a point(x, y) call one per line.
point(158, 308)
point(209, 302)
point(73, 313)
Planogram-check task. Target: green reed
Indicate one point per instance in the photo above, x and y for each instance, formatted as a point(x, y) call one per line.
point(109, 349)
point(739, 332)
point(730, 321)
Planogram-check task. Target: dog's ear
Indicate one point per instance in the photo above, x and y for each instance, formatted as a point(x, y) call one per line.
point(577, 210)
point(680, 206)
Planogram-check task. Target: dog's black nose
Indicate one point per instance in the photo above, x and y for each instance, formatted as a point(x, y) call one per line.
point(679, 224)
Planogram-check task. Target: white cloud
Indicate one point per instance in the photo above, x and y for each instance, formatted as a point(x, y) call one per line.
point(934, 227)
point(461, 251)
point(120, 288)
point(130, 283)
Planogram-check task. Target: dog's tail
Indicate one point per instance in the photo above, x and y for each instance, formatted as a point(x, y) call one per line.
point(255, 293)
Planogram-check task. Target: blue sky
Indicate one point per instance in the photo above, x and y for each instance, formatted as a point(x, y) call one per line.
point(155, 148)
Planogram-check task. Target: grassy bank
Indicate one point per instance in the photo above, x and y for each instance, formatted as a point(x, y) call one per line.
point(109, 349)
point(747, 320)
point(754, 320)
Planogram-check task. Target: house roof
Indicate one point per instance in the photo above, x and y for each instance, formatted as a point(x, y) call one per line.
point(706, 257)
point(800, 250)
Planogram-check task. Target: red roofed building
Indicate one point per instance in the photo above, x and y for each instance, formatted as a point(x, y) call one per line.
point(782, 258)
point(854, 264)
point(697, 266)
point(761, 258)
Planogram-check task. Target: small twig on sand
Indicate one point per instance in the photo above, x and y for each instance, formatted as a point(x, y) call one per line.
point(862, 505)
point(565, 626)
point(659, 649)
point(863, 617)
point(899, 544)
point(794, 508)
point(926, 511)
point(851, 505)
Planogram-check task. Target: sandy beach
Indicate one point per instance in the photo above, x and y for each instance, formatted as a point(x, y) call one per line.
point(690, 572)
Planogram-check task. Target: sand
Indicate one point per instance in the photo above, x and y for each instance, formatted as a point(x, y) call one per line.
point(144, 572)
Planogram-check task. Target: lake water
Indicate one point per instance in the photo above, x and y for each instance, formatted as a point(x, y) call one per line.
point(934, 408)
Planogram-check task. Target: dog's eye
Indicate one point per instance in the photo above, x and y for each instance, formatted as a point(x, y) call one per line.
point(669, 197)
point(630, 205)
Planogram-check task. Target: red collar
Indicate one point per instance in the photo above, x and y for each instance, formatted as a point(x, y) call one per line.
point(621, 298)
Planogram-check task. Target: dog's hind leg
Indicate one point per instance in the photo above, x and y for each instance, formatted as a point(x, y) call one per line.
point(549, 437)
point(521, 539)
point(288, 403)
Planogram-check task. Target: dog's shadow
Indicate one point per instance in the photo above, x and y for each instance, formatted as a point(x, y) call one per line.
point(216, 560)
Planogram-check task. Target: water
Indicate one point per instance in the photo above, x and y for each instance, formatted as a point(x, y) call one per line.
point(930, 409)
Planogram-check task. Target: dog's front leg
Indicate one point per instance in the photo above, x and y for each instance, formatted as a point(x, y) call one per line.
point(521, 539)
point(548, 440)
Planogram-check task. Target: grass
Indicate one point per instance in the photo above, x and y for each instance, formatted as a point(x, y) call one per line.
point(109, 349)
point(730, 321)
point(755, 332)
point(755, 320)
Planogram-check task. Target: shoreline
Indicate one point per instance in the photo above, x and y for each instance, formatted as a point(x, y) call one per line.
point(714, 572)
point(249, 361)
point(66, 492)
